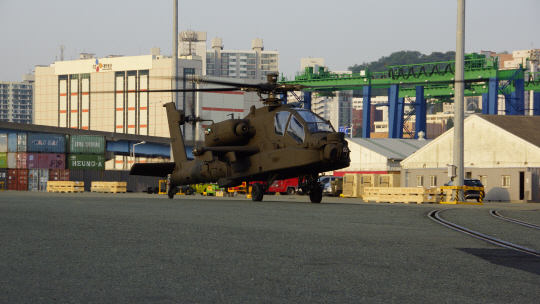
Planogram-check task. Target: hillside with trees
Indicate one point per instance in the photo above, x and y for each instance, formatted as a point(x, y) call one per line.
point(402, 58)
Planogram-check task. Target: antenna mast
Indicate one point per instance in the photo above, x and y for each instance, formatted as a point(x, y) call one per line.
point(62, 48)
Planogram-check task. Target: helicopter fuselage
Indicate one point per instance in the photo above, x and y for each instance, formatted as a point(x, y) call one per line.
point(272, 142)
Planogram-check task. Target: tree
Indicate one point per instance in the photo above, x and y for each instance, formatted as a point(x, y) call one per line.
point(402, 58)
point(449, 123)
point(358, 132)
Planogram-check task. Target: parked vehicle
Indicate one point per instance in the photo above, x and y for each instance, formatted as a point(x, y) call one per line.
point(284, 187)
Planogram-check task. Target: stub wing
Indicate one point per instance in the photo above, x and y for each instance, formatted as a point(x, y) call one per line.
point(152, 169)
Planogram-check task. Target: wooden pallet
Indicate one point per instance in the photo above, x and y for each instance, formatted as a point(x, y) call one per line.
point(65, 183)
point(109, 189)
point(109, 184)
point(400, 195)
point(65, 189)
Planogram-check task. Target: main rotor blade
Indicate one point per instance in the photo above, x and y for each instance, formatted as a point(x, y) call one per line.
point(198, 79)
point(170, 90)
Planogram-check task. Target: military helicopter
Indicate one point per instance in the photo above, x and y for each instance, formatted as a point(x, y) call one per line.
point(276, 141)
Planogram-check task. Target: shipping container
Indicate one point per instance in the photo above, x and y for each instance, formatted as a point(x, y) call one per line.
point(21, 160)
point(46, 143)
point(12, 178)
point(3, 179)
point(22, 139)
point(45, 161)
point(59, 175)
point(17, 179)
point(37, 179)
point(12, 142)
point(3, 160)
point(87, 144)
point(86, 161)
point(3, 142)
point(23, 180)
point(12, 160)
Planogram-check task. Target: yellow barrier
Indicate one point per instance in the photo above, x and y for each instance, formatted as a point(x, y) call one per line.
point(2, 186)
point(464, 188)
point(400, 194)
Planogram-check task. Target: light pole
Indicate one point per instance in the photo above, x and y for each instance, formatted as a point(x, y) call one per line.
point(133, 149)
point(155, 113)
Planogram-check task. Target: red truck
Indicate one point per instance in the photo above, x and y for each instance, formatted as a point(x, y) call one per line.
point(286, 186)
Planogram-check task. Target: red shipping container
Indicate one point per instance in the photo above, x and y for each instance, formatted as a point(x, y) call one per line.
point(17, 179)
point(12, 179)
point(23, 180)
point(45, 161)
point(59, 175)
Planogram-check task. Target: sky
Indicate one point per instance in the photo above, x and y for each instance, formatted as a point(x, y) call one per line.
point(343, 32)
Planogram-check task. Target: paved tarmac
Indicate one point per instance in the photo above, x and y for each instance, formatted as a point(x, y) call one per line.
point(140, 248)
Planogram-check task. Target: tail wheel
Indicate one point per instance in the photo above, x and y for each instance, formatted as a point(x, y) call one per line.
point(315, 194)
point(257, 192)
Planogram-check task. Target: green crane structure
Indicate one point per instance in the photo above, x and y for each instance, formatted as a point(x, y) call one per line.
point(434, 81)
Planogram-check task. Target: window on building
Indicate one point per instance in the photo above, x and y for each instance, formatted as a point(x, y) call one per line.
point(506, 181)
point(419, 181)
point(433, 180)
point(483, 179)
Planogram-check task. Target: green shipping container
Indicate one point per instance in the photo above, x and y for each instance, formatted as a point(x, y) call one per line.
point(86, 162)
point(3, 159)
point(87, 144)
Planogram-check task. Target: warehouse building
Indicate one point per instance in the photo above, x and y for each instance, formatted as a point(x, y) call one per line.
point(502, 151)
point(379, 155)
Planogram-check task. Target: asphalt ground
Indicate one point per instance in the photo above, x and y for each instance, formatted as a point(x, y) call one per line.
point(140, 248)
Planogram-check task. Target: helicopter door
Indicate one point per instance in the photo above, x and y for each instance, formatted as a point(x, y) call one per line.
point(296, 130)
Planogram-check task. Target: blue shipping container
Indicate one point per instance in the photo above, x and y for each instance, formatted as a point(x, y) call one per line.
point(46, 143)
point(12, 142)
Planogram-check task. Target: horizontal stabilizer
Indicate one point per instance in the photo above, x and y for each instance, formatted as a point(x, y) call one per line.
point(152, 169)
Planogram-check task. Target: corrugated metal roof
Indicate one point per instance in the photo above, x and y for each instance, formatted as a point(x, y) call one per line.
point(524, 127)
point(392, 148)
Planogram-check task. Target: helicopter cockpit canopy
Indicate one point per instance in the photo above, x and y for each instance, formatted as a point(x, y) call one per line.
point(314, 122)
point(295, 128)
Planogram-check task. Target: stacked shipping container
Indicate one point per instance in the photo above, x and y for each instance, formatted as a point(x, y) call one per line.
point(33, 159)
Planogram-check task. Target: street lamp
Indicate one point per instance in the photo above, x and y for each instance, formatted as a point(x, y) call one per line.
point(133, 149)
point(155, 113)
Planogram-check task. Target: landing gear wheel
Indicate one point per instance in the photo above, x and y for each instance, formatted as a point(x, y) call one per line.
point(257, 192)
point(315, 194)
point(171, 193)
point(290, 191)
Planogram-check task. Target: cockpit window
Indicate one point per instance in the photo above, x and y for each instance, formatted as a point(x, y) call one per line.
point(296, 130)
point(280, 122)
point(314, 122)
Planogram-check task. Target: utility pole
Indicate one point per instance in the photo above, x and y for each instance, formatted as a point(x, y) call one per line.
point(175, 55)
point(459, 111)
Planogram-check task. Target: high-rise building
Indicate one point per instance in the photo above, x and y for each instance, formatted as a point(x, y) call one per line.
point(242, 64)
point(110, 94)
point(17, 100)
